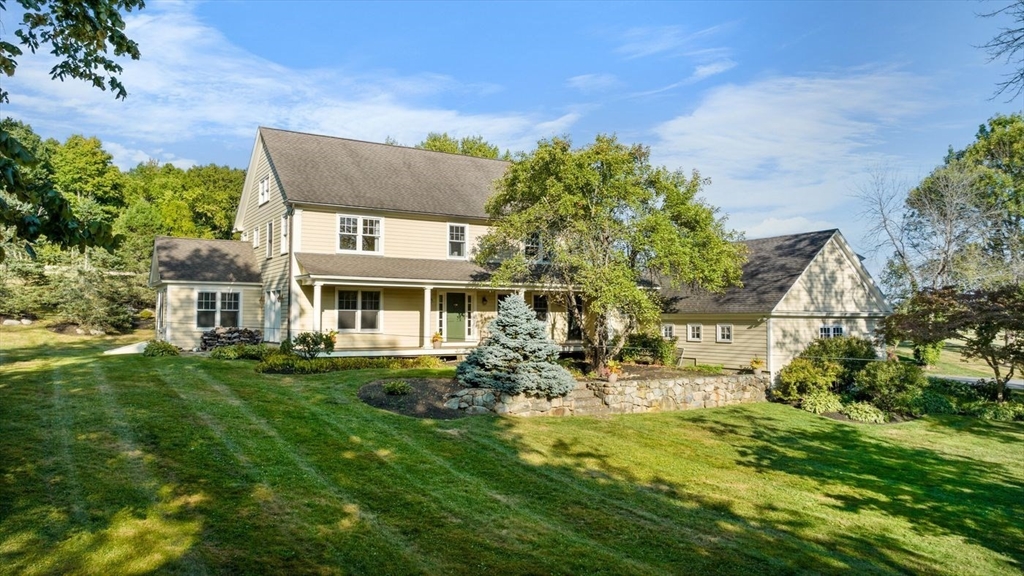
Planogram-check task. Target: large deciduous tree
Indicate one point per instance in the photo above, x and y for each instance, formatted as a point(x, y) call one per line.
point(989, 321)
point(602, 226)
point(82, 36)
point(467, 146)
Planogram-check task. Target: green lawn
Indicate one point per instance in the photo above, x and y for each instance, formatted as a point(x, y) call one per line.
point(950, 362)
point(128, 465)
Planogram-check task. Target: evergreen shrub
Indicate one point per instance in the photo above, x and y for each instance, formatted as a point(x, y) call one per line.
point(803, 377)
point(156, 348)
point(517, 356)
point(891, 385)
point(852, 354)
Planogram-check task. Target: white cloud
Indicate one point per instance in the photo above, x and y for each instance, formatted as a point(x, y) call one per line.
point(789, 147)
point(193, 84)
point(592, 82)
point(127, 158)
point(782, 226)
point(699, 73)
point(643, 42)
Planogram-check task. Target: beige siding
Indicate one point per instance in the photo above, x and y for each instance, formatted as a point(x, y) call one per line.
point(749, 339)
point(405, 236)
point(181, 327)
point(400, 319)
point(831, 285)
point(791, 335)
point(274, 268)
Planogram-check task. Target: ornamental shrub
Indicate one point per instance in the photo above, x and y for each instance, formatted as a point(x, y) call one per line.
point(930, 402)
point(852, 354)
point(864, 412)
point(803, 377)
point(649, 348)
point(999, 411)
point(891, 385)
point(928, 354)
point(397, 388)
point(517, 356)
point(156, 348)
point(822, 402)
point(278, 363)
point(241, 352)
point(309, 345)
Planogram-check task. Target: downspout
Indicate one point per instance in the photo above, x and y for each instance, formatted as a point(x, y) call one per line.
point(770, 364)
point(291, 256)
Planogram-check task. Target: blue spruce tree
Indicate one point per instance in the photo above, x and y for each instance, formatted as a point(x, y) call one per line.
point(517, 356)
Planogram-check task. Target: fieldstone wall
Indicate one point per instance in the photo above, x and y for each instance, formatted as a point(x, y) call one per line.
point(622, 397)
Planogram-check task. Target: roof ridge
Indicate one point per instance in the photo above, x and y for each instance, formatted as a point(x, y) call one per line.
point(401, 146)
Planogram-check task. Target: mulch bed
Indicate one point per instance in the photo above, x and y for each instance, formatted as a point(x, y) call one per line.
point(425, 401)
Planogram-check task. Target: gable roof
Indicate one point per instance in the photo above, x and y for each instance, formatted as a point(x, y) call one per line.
point(334, 171)
point(773, 266)
point(196, 260)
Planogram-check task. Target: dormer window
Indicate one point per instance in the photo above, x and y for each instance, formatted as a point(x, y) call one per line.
point(264, 190)
point(359, 234)
point(456, 240)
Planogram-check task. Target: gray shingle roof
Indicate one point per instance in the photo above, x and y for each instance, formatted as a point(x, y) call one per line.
point(337, 171)
point(358, 266)
point(196, 260)
point(773, 266)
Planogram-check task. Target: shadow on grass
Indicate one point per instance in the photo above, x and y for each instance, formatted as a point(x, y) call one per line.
point(294, 480)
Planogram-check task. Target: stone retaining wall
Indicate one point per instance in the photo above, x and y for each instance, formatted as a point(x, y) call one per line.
point(622, 397)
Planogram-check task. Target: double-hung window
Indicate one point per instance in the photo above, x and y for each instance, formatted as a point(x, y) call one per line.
point(725, 333)
point(532, 247)
point(456, 240)
point(833, 331)
point(668, 331)
point(270, 238)
point(540, 307)
point(265, 190)
point(215, 309)
point(359, 234)
point(359, 310)
point(694, 332)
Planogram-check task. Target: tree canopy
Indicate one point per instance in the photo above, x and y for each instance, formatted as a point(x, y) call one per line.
point(1008, 46)
point(600, 225)
point(467, 146)
point(80, 35)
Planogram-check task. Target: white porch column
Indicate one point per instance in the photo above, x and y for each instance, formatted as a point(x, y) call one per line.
point(522, 293)
point(317, 306)
point(427, 334)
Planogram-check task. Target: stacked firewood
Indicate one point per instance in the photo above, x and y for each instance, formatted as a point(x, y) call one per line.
point(227, 336)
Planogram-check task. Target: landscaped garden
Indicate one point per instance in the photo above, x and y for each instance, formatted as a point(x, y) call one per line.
point(130, 464)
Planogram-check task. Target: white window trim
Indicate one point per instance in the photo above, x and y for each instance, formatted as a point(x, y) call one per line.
point(270, 238)
point(470, 324)
point(718, 333)
point(689, 333)
point(256, 237)
point(284, 234)
point(831, 328)
point(442, 323)
point(472, 330)
point(359, 308)
point(448, 242)
point(672, 329)
point(264, 190)
point(359, 234)
point(218, 292)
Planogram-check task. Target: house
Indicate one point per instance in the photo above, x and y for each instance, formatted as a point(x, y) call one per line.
point(371, 240)
point(375, 242)
point(796, 288)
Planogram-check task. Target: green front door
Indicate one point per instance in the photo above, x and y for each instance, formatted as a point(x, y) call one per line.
point(455, 316)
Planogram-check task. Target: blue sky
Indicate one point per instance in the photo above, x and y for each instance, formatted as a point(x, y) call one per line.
point(785, 106)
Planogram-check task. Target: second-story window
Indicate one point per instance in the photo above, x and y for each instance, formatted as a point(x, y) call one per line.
point(265, 190)
point(532, 249)
point(456, 240)
point(359, 234)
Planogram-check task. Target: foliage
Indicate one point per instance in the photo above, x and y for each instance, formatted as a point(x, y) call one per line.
point(397, 387)
point(241, 352)
point(606, 223)
point(802, 377)
point(614, 367)
point(929, 402)
point(988, 321)
point(928, 354)
point(80, 35)
point(890, 385)
point(822, 402)
point(279, 363)
point(757, 363)
point(851, 353)
point(309, 345)
point(467, 146)
point(517, 356)
point(864, 412)
point(160, 348)
point(706, 369)
point(1000, 411)
point(649, 347)
point(95, 299)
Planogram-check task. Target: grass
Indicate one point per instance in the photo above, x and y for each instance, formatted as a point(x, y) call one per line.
point(188, 465)
point(950, 362)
